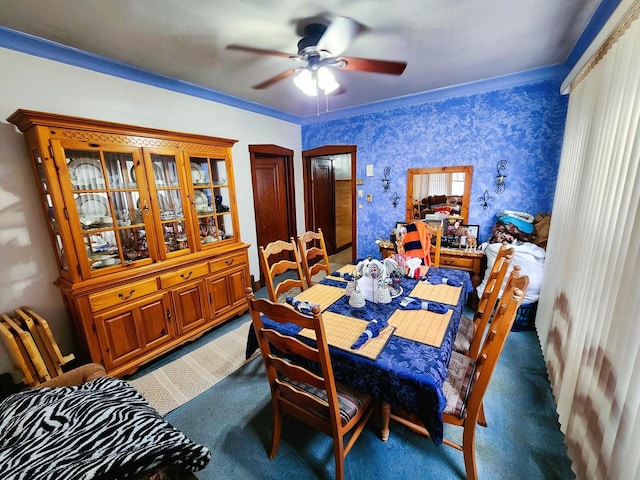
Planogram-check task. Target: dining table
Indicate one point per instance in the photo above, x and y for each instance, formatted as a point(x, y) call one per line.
point(403, 367)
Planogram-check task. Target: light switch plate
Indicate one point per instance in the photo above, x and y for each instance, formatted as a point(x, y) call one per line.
point(370, 170)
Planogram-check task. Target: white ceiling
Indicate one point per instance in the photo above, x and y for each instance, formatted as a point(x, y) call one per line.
point(444, 42)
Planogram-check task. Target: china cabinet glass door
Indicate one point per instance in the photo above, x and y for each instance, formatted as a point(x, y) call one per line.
point(53, 224)
point(114, 217)
point(169, 201)
point(212, 199)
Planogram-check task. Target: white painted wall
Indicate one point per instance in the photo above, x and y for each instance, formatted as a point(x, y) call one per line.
point(27, 265)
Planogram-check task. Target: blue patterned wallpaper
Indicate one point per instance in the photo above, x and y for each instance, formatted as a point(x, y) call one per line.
point(523, 125)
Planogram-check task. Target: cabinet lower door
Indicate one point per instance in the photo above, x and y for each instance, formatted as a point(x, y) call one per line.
point(131, 330)
point(237, 287)
point(190, 306)
point(227, 294)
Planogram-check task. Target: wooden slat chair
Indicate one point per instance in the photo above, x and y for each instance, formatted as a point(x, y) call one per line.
point(516, 280)
point(21, 361)
point(44, 339)
point(315, 398)
point(313, 253)
point(417, 242)
point(277, 258)
point(469, 336)
point(24, 351)
point(435, 248)
point(468, 380)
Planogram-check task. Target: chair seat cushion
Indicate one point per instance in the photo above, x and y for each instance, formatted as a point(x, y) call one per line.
point(458, 384)
point(462, 342)
point(349, 400)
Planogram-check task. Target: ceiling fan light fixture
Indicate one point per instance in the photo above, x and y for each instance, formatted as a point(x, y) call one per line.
point(326, 80)
point(306, 82)
point(310, 79)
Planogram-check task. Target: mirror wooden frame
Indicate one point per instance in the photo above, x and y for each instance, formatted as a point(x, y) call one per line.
point(466, 197)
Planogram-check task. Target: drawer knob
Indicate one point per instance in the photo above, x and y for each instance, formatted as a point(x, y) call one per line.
point(185, 277)
point(229, 261)
point(123, 297)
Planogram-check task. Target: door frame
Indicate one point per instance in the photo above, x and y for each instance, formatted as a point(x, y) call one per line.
point(327, 150)
point(266, 150)
point(276, 151)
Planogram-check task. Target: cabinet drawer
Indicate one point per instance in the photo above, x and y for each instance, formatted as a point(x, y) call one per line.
point(224, 263)
point(461, 263)
point(183, 275)
point(120, 295)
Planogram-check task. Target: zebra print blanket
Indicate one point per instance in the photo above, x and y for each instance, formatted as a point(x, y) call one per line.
point(102, 429)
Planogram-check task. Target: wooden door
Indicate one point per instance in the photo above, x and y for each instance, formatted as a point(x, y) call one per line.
point(321, 196)
point(273, 193)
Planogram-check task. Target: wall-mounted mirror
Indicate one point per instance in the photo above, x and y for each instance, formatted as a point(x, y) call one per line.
point(442, 188)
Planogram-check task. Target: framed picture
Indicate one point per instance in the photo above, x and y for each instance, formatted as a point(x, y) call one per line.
point(451, 226)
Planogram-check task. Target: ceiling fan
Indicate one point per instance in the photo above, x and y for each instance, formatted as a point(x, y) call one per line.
point(319, 50)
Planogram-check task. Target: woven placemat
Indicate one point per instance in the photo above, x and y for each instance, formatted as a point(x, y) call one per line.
point(342, 331)
point(323, 295)
point(421, 325)
point(437, 293)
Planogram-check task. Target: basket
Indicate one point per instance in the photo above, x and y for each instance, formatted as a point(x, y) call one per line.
point(525, 317)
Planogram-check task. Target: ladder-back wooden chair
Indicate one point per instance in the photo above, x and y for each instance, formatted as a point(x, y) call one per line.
point(516, 280)
point(435, 248)
point(468, 380)
point(417, 242)
point(277, 258)
point(311, 396)
point(313, 253)
point(471, 330)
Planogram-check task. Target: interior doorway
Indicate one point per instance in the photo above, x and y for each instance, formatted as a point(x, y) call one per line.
point(330, 199)
point(273, 193)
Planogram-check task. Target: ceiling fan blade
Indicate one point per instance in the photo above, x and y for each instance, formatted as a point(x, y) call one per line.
point(338, 35)
point(270, 81)
point(260, 51)
point(377, 66)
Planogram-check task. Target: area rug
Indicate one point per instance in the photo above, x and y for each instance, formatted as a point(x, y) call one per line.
point(181, 380)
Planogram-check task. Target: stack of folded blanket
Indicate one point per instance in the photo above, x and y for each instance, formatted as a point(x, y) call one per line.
point(513, 227)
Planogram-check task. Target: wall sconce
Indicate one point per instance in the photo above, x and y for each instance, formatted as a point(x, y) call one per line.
point(385, 179)
point(486, 199)
point(395, 198)
point(502, 164)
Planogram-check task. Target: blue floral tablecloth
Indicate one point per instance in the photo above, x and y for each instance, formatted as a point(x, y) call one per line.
point(406, 374)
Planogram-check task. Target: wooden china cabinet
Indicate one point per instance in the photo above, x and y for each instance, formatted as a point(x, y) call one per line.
point(144, 226)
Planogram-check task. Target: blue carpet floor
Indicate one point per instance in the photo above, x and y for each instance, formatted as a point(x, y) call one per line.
point(522, 441)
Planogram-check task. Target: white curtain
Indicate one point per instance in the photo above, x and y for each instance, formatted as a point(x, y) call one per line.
point(431, 184)
point(589, 308)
